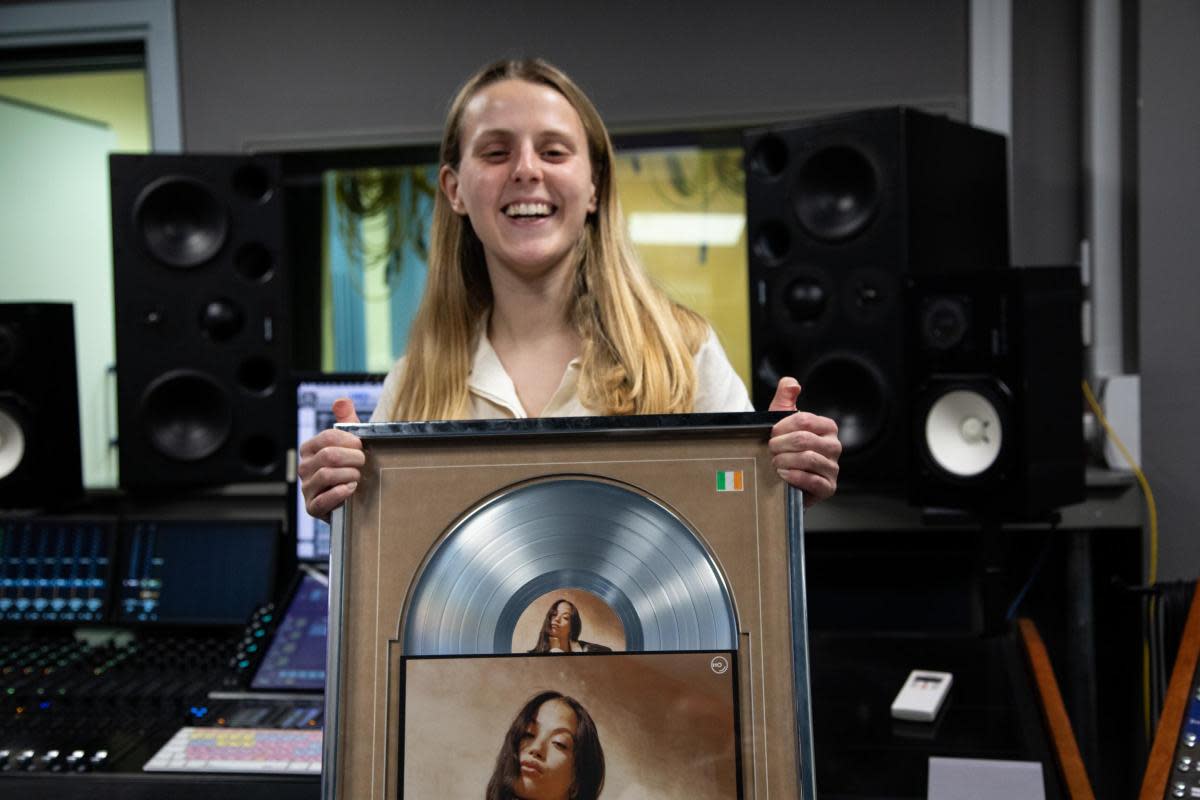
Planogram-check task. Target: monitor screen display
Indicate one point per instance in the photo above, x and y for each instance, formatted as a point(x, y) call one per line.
point(295, 659)
point(55, 570)
point(314, 404)
point(213, 572)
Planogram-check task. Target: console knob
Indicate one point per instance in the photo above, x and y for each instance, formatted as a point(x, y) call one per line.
point(75, 761)
point(51, 760)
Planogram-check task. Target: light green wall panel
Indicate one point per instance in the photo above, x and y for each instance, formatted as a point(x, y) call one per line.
point(55, 246)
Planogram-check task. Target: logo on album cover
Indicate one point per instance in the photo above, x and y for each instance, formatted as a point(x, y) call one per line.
point(719, 665)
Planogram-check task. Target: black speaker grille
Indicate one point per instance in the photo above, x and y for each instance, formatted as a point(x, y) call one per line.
point(203, 333)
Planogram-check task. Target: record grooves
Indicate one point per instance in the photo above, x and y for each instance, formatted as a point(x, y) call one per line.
point(611, 540)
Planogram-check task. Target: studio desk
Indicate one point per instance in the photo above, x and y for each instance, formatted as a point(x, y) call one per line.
point(890, 589)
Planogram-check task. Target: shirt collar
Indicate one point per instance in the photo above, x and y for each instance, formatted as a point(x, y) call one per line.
point(489, 379)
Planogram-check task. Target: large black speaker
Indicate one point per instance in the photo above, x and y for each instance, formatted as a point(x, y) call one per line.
point(40, 463)
point(202, 320)
point(842, 213)
point(998, 413)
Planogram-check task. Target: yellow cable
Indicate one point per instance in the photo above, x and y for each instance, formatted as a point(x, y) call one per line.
point(1151, 508)
point(1152, 566)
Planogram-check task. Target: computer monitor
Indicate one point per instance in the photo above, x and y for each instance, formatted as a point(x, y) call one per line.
point(55, 570)
point(295, 659)
point(314, 413)
point(194, 572)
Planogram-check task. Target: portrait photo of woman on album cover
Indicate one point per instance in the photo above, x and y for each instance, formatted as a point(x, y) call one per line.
point(550, 752)
point(620, 726)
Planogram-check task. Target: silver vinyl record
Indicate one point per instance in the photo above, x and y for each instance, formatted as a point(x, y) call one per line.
point(621, 545)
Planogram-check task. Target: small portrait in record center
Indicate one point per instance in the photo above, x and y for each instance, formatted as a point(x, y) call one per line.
point(568, 621)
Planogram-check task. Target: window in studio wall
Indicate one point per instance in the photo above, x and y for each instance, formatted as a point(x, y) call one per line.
point(685, 207)
point(61, 114)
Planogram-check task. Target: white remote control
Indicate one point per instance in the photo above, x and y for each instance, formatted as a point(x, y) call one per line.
point(922, 695)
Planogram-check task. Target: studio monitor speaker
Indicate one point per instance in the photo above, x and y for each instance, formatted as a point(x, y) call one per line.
point(842, 213)
point(40, 463)
point(202, 319)
point(998, 416)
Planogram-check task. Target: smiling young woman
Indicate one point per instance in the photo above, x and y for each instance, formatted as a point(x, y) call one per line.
point(524, 178)
point(522, 130)
point(536, 303)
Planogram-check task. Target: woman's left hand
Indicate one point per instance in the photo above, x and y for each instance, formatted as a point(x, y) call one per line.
point(804, 446)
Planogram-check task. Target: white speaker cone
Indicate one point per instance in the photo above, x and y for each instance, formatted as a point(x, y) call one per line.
point(963, 433)
point(12, 444)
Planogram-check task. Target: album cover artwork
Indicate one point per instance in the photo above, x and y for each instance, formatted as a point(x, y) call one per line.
point(617, 726)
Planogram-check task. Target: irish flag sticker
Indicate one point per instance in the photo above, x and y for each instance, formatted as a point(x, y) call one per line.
point(729, 481)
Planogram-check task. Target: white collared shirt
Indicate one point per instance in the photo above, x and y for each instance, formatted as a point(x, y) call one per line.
point(493, 395)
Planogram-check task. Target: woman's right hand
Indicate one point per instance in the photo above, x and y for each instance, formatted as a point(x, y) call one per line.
point(329, 464)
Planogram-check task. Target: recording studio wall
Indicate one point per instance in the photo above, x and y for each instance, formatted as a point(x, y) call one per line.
point(40, 461)
point(997, 359)
point(201, 320)
point(843, 213)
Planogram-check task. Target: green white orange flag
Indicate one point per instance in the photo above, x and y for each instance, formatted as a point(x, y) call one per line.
point(729, 481)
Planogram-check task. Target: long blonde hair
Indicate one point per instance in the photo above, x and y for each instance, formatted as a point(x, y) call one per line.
point(638, 344)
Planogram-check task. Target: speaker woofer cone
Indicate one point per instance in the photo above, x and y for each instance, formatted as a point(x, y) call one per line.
point(854, 393)
point(181, 222)
point(964, 432)
point(186, 415)
point(836, 193)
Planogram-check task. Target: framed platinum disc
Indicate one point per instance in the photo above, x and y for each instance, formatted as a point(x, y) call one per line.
point(619, 544)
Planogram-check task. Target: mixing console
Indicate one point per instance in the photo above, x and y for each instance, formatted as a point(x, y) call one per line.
point(72, 705)
point(134, 649)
